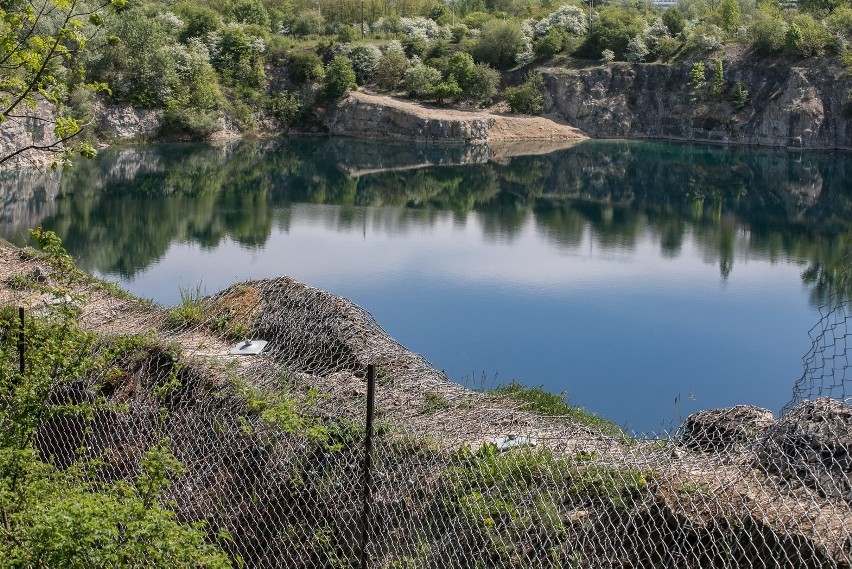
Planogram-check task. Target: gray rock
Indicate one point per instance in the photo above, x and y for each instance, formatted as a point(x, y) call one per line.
point(791, 107)
point(813, 444)
point(716, 429)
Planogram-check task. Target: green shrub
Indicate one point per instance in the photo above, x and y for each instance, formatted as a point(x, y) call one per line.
point(499, 43)
point(287, 108)
point(306, 23)
point(806, 37)
point(339, 78)
point(305, 67)
point(527, 98)
point(481, 86)
point(728, 15)
point(666, 48)
point(364, 60)
point(248, 12)
point(447, 89)
point(550, 44)
point(390, 70)
point(347, 34)
point(674, 20)
point(420, 80)
point(198, 20)
point(739, 95)
point(58, 517)
point(768, 30)
point(613, 30)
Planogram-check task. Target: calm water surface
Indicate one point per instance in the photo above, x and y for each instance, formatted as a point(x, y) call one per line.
point(645, 280)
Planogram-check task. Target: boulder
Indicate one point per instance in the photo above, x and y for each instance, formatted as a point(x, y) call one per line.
point(812, 444)
point(717, 429)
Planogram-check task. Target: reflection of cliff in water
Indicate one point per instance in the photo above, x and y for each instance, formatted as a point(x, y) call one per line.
point(26, 197)
point(121, 212)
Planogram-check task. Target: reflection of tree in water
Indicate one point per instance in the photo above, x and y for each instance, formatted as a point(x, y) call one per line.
point(122, 212)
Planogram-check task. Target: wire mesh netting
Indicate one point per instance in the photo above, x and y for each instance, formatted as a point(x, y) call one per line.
point(272, 447)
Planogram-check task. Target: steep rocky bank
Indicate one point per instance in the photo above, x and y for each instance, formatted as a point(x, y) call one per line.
point(797, 105)
point(366, 115)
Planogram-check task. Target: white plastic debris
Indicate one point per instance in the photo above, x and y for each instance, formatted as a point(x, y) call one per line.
point(248, 348)
point(513, 441)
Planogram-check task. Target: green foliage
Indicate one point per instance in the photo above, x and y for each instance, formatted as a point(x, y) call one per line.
point(248, 12)
point(308, 22)
point(190, 312)
point(613, 30)
point(729, 15)
point(538, 401)
point(339, 78)
point(347, 34)
point(435, 402)
point(666, 48)
point(697, 76)
point(739, 95)
point(54, 253)
point(198, 20)
point(279, 412)
point(527, 98)
point(674, 20)
point(768, 30)
point(236, 51)
point(481, 85)
point(550, 44)
point(447, 89)
point(478, 82)
point(390, 70)
point(420, 80)
point(58, 518)
point(365, 59)
point(806, 37)
point(305, 67)
point(718, 77)
point(637, 51)
point(491, 489)
point(287, 108)
point(499, 43)
point(38, 41)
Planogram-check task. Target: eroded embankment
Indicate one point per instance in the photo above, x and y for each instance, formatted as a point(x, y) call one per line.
point(272, 446)
point(381, 117)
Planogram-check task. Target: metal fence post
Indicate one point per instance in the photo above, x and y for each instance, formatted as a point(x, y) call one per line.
point(368, 463)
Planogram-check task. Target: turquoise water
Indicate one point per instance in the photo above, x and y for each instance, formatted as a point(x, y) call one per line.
point(645, 280)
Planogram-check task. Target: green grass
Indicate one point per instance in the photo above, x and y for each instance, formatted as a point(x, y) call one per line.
point(190, 312)
point(537, 400)
point(435, 402)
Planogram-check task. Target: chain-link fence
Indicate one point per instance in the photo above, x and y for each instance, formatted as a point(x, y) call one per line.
point(273, 445)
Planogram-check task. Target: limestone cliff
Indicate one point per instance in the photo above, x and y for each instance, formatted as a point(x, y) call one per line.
point(790, 106)
point(380, 117)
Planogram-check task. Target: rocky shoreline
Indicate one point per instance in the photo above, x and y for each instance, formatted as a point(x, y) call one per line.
point(786, 106)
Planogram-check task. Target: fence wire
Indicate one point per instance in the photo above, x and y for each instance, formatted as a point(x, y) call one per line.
point(272, 445)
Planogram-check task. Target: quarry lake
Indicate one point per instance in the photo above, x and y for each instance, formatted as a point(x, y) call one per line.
point(645, 280)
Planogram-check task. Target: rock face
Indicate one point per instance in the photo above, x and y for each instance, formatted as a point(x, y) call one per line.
point(379, 117)
point(124, 122)
point(34, 127)
point(788, 106)
point(715, 429)
point(813, 443)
